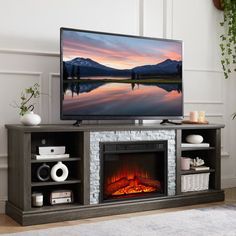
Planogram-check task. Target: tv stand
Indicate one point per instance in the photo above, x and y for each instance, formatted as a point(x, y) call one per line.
point(78, 123)
point(166, 121)
point(82, 143)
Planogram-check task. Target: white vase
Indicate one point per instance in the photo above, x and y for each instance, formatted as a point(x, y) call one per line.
point(185, 163)
point(64, 170)
point(30, 119)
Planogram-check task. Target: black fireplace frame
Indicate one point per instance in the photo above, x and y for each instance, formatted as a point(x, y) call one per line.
point(139, 147)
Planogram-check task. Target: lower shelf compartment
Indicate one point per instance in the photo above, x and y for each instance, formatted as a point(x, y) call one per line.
point(71, 192)
point(76, 211)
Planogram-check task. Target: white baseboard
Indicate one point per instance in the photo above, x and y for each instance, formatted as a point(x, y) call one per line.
point(2, 206)
point(228, 183)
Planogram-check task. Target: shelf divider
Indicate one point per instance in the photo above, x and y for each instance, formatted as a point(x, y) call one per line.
point(56, 160)
point(188, 172)
point(51, 183)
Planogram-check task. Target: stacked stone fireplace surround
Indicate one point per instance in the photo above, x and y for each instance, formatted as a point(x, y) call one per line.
point(116, 136)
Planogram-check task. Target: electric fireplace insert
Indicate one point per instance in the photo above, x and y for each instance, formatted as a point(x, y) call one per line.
point(133, 170)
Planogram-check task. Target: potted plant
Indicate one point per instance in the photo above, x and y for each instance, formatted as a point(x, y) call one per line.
point(228, 37)
point(26, 106)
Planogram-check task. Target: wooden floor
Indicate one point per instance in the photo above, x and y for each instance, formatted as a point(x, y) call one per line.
point(7, 225)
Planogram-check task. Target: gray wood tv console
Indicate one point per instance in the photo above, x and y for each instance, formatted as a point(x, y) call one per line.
point(24, 140)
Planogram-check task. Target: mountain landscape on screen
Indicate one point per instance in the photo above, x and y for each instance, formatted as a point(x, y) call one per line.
point(115, 75)
point(84, 67)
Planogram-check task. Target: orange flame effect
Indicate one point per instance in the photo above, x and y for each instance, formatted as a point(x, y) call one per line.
point(130, 180)
point(134, 187)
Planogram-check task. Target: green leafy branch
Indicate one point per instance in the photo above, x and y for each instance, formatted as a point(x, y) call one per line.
point(26, 96)
point(228, 38)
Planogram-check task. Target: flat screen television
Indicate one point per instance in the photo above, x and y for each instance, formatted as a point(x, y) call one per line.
point(114, 76)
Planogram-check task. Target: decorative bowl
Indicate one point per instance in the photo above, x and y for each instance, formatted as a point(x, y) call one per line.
point(194, 138)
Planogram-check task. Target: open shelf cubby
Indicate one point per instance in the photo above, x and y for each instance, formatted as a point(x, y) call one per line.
point(73, 142)
point(210, 155)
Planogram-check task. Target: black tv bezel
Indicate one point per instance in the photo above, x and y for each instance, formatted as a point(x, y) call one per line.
point(113, 117)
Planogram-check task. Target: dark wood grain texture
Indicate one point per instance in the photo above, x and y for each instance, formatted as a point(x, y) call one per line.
point(82, 212)
point(218, 159)
point(23, 142)
point(116, 127)
point(86, 168)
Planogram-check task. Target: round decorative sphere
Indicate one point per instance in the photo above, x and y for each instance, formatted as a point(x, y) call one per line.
point(30, 119)
point(194, 138)
point(59, 172)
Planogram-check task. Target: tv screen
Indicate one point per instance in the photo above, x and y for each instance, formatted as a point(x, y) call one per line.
point(113, 76)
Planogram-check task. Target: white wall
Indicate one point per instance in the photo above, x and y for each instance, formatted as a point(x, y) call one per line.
point(29, 52)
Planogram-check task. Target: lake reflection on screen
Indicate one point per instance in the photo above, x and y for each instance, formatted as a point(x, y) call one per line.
point(122, 99)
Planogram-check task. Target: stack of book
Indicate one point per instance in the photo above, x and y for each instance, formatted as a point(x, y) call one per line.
point(51, 156)
point(51, 152)
point(198, 168)
point(183, 145)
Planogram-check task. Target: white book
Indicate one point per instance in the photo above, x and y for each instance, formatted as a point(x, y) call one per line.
point(195, 144)
point(200, 168)
point(50, 157)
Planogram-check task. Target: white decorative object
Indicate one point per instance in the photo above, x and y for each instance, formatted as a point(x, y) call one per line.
point(197, 162)
point(194, 138)
point(185, 163)
point(37, 199)
point(195, 182)
point(63, 168)
point(52, 150)
point(30, 119)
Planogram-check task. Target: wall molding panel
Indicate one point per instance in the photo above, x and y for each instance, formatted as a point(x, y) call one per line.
point(204, 70)
point(168, 19)
point(27, 52)
point(32, 73)
point(52, 76)
point(24, 75)
point(204, 102)
point(29, 73)
point(141, 17)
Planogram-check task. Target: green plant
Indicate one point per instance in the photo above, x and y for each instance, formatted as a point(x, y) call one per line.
point(26, 96)
point(228, 38)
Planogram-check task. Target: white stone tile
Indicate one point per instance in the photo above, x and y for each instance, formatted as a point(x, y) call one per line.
point(110, 136)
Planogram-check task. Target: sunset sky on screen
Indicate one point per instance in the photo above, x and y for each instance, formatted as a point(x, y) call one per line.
point(118, 51)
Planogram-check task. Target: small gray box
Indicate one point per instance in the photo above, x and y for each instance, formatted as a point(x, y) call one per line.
point(52, 150)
